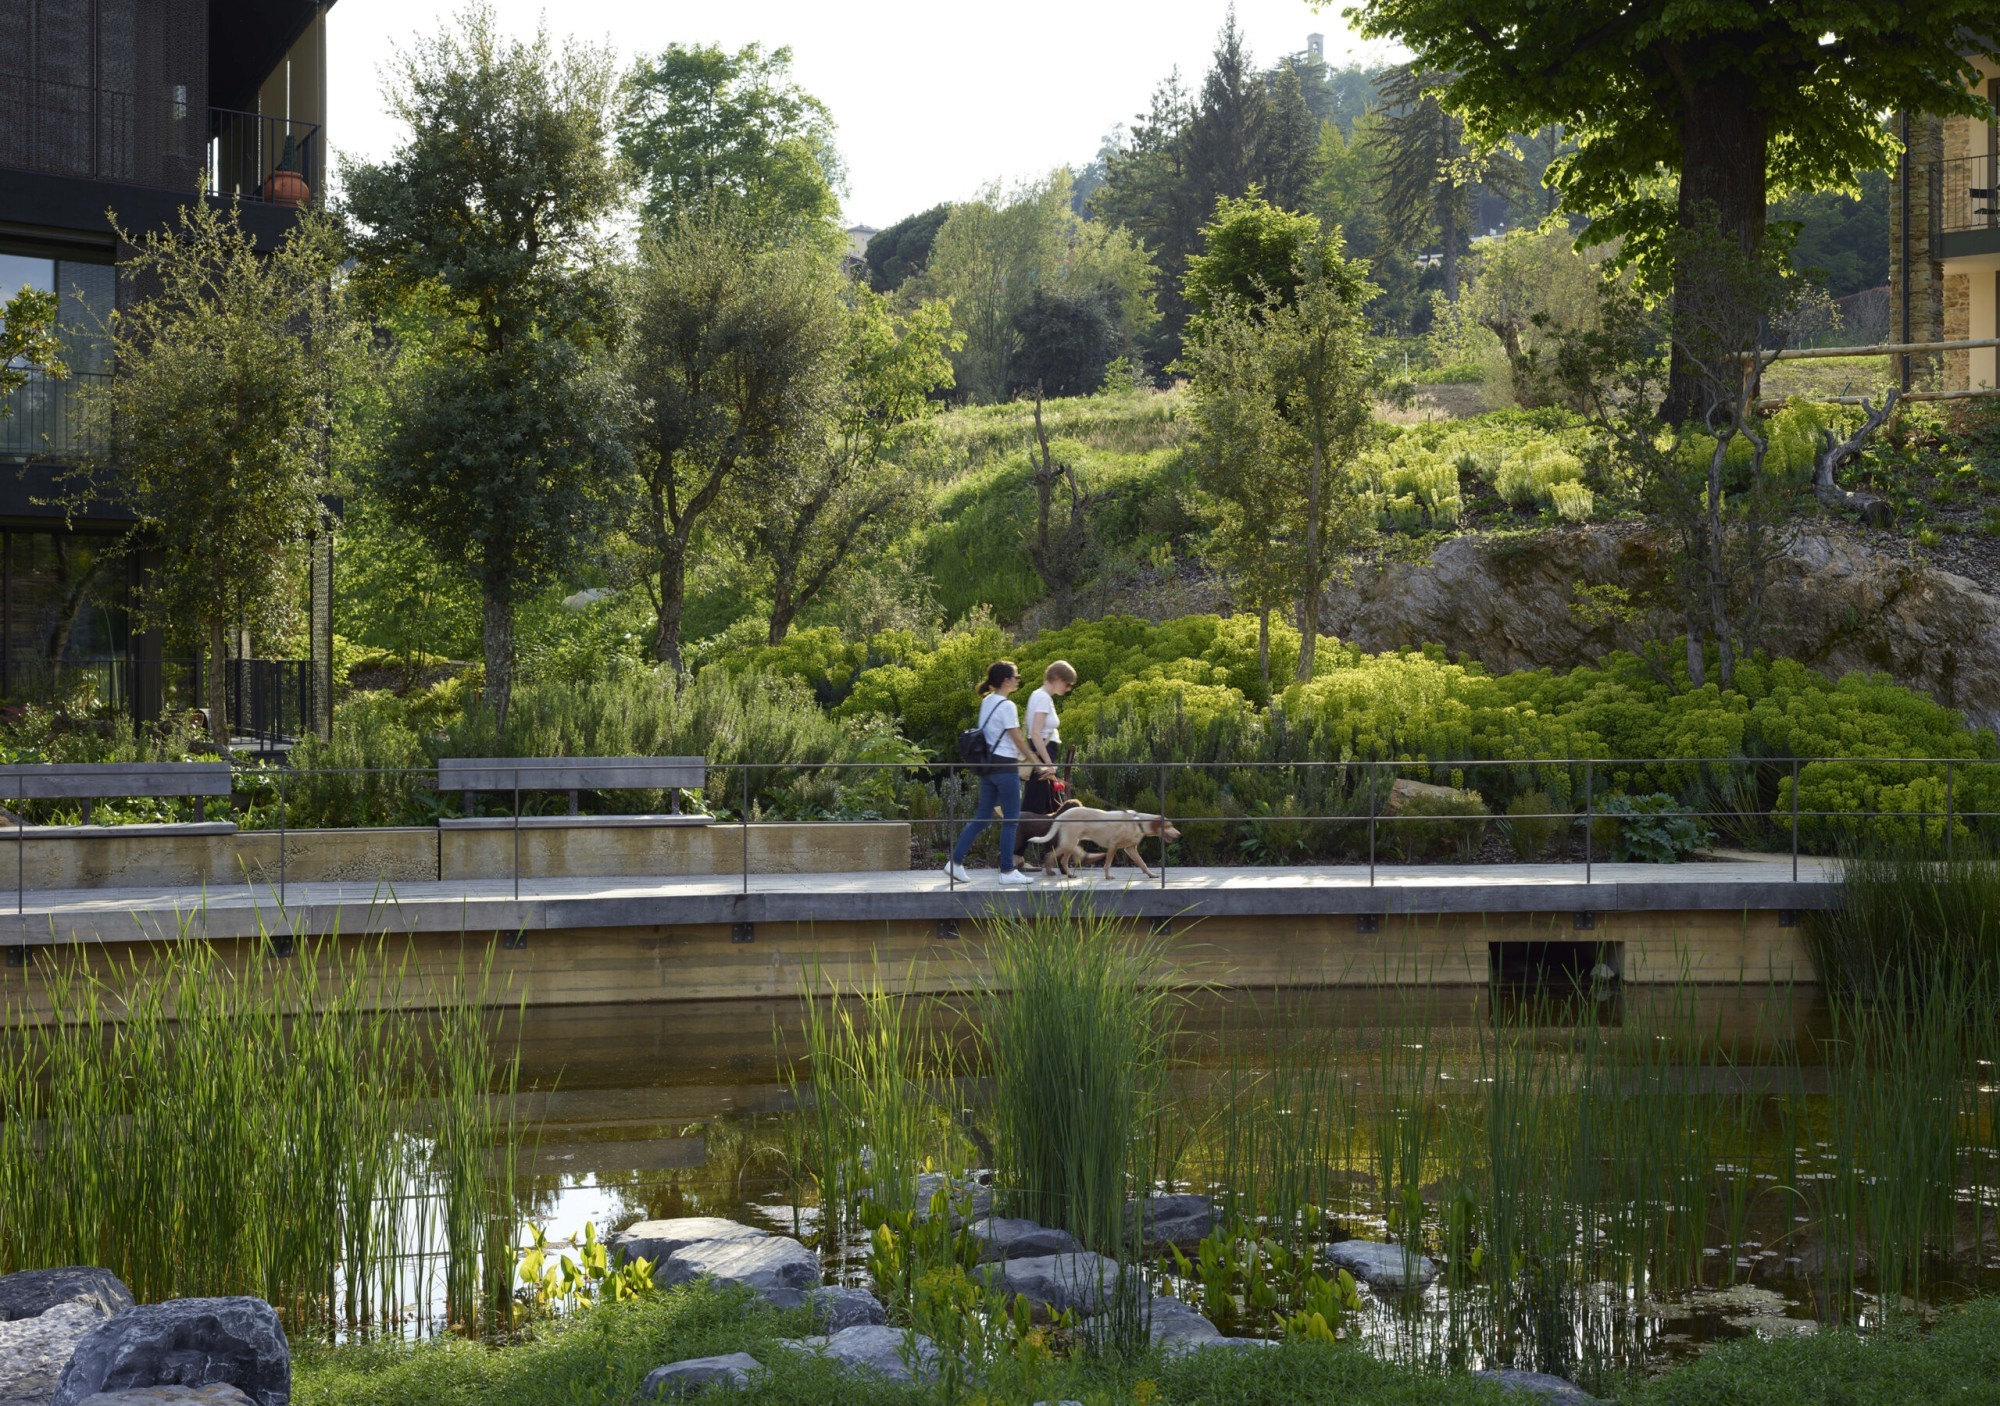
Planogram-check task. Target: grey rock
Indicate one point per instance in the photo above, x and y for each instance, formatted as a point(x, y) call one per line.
point(215, 1394)
point(184, 1342)
point(657, 1240)
point(1193, 1344)
point(1549, 1388)
point(1381, 1266)
point(778, 1268)
point(34, 1351)
point(1177, 1324)
point(692, 1374)
point(1007, 1238)
point(1181, 1219)
point(1837, 602)
point(1081, 1282)
point(837, 1307)
point(33, 1292)
point(872, 1348)
point(971, 1197)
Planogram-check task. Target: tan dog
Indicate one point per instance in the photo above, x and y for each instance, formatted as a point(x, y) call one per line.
point(1113, 831)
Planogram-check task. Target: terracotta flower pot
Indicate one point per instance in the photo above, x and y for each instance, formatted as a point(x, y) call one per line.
point(286, 188)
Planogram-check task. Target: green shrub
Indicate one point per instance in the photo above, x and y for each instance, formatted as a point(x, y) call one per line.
point(1647, 830)
point(1430, 827)
point(1532, 825)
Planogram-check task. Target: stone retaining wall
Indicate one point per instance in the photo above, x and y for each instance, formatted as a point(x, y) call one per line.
point(196, 856)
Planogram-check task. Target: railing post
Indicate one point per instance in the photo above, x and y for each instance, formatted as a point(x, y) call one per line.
point(1949, 768)
point(1588, 787)
point(746, 828)
point(1163, 824)
point(1374, 775)
point(517, 834)
point(281, 832)
point(1795, 819)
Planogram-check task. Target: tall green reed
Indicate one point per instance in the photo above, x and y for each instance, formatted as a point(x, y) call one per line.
point(1075, 1027)
point(1906, 920)
point(270, 1128)
point(875, 1104)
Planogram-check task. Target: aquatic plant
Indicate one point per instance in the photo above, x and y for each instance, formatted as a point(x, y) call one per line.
point(281, 1127)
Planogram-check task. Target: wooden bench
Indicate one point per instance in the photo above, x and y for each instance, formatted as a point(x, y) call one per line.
point(90, 781)
point(507, 775)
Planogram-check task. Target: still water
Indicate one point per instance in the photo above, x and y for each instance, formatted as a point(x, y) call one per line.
point(660, 1110)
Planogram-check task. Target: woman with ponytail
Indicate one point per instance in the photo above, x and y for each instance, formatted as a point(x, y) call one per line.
point(999, 784)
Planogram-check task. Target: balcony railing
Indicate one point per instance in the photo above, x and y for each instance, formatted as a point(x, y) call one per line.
point(1965, 194)
point(38, 421)
point(246, 149)
point(168, 143)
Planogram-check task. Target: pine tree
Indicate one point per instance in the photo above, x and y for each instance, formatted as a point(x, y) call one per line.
point(1226, 138)
point(1148, 190)
point(1289, 152)
point(1431, 178)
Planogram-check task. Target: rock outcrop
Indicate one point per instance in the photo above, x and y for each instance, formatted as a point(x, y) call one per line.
point(1839, 600)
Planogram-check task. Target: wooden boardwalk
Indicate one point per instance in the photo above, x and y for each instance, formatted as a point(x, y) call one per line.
point(157, 913)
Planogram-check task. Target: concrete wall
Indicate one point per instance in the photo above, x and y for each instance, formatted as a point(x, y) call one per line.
point(615, 851)
point(1658, 952)
point(139, 856)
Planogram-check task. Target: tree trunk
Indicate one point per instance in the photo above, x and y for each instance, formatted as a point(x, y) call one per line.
point(673, 601)
point(1448, 201)
point(784, 609)
point(1724, 142)
point(218, 686)
point(1718, 570)
point(498, 632)
point(1264, 647)
point(1309, 611)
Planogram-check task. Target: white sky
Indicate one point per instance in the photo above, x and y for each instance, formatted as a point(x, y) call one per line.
point(934, 97)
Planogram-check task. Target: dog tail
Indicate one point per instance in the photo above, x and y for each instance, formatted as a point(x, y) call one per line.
point(1042, 839)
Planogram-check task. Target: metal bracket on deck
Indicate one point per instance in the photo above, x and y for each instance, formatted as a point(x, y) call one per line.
point(1162, 927)
point(1584, 922)
point(514, 941)
point(947, 930)
point(742, 932)
point(20, 956)
point(283, 944)
point(1788, 917)
point(1368, 922)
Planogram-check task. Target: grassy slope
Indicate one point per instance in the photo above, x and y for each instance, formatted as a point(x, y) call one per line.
point(599, 1359)
point(1127, 444)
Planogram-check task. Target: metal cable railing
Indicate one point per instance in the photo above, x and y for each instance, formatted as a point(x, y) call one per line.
point(1955, 805)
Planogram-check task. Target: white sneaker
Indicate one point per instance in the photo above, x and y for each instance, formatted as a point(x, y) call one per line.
point(959, 872)
point(1014, 876)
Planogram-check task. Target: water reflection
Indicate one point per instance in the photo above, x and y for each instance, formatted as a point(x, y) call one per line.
point(665, 1110)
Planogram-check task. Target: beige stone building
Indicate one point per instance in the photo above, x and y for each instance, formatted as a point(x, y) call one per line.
point(1944, 243)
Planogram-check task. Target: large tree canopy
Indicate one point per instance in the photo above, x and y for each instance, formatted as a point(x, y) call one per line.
point(703, 126)
point(1694, 112)
point(489, 214)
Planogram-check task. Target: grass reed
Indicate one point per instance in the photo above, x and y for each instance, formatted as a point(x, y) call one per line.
point(282, 1128)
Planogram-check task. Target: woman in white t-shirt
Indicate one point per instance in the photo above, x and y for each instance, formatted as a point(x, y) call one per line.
point(999, 785)
point(1042, 728)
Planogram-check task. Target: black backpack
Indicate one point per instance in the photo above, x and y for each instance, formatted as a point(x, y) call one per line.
point(973, 748)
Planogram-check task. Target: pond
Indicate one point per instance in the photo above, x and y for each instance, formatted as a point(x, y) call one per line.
point(1656, 1169)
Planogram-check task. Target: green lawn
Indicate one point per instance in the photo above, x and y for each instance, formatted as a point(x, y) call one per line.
point(599, 1358)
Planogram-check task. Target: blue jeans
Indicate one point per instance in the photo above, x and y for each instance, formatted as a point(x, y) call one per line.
point(1000, 787)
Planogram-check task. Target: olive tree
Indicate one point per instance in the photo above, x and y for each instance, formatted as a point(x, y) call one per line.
point(215, 428)
point(1280, 390)
point(506, 437)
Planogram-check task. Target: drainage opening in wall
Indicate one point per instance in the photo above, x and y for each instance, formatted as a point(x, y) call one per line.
point(1556, 983)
